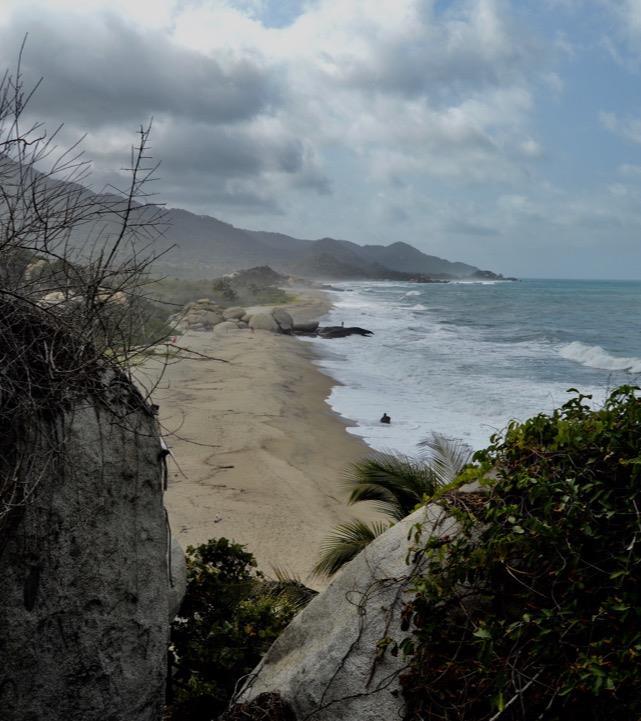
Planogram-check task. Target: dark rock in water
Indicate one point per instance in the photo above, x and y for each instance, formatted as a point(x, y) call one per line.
point(338, 331)
point(309, 327)
point(265, 707)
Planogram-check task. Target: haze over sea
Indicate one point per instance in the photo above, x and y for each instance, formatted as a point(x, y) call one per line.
point(463, 358)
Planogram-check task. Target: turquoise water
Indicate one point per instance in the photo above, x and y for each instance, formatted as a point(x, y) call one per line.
point(465, 358)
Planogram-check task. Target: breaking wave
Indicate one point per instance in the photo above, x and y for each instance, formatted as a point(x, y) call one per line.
point(593, 356)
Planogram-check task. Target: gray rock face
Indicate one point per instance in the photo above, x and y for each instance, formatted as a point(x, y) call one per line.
point(226, 327)
point(284, 319)
point(324, 663)
point(210, 318)
point(84, 608)
point(233, 313)
point(264, 321)
point(177, 578)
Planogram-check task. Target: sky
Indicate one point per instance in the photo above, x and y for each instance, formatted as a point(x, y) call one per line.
point(503, 134)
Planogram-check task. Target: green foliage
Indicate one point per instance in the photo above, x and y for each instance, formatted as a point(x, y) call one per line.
point(174, 293)
point(397, 485)
point(228, 619)
point(534, 610)
point(344, 544)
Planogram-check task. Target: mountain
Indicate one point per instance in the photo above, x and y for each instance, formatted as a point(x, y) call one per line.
point(206, 246)
point(408, 259)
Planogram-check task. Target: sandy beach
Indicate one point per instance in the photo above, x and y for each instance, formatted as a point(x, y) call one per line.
point(259, 454)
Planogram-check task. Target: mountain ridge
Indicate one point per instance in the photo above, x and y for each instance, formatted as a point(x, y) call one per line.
point(215, 246)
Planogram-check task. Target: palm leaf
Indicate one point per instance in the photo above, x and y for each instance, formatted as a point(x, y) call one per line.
point(396, 484)
point(344, 544)
point(288, 588)
point(447, 457)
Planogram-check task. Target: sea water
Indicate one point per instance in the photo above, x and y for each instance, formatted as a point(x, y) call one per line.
point(463, 359)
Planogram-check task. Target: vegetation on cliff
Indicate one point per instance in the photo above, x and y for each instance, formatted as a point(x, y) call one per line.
point(533, 610)
point(229, 617)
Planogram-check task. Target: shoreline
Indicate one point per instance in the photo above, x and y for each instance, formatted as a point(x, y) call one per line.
point(259, 452)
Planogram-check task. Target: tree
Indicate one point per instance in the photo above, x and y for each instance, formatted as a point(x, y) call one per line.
point(397, 485)
point(230, 616)
point(74, 269)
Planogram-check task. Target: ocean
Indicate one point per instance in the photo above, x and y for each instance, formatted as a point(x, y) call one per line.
point(464, 358)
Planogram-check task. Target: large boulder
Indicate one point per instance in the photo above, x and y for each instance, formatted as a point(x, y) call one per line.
point(177, 578)
point(233, 313)
point(264, 321)
point(284, 320)
point(326, 663)
point(210, 318)
point(84, 602)
point(226, 327)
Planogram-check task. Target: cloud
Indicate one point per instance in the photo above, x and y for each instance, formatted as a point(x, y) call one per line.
point(628, 128)
point(345, 117)
point(629, 170)
point(101, 69)
point(405, 87)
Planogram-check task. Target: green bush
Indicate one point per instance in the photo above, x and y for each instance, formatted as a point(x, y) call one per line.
point(533, 611)
point(227, 621)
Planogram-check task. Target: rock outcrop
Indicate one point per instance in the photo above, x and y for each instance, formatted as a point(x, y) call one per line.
point(264, 321)
point(339, 331)
point(177, 578)
point(306, 328)
point(284, 320)
point(84, 602)
point(227, 327)
point(325, 665)
point(233, 313)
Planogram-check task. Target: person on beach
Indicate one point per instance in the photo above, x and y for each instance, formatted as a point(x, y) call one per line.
point(385, 418)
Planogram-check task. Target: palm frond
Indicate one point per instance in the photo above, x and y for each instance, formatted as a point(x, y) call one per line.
point(345, 543)
point(447, 457)
point(396, 483)
point(288, 588)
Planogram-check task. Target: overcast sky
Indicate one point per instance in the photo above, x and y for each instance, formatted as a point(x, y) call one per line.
point(504, 134)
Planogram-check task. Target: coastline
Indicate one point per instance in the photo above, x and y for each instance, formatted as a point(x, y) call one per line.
point(259, 453)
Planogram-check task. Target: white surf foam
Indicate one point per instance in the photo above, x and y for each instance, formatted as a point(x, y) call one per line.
point(594, 356)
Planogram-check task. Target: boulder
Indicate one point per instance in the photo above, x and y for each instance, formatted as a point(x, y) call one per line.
point(84, 602)
point(284, 320)
point(226, 327)
point(210, 318)
point(246, 318)
point(264, 321)
point(53, 298)
point(326, 663)
point(177, 578)
point(233, 313)
point(309, 327)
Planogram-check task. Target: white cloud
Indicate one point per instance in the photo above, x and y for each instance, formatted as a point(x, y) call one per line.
point(630, 170)
point(628, 128)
